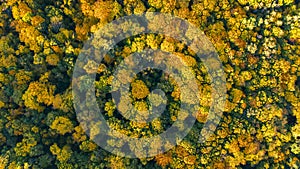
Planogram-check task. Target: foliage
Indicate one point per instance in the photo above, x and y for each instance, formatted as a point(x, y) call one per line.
point(38, 93)
point(62, 154)
point(257, 41)
point(62, 125)
point(139, 89)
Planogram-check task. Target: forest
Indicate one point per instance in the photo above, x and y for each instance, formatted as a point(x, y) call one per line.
point(257, 42)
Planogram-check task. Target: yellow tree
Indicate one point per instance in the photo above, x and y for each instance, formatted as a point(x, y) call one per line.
point(39, 94)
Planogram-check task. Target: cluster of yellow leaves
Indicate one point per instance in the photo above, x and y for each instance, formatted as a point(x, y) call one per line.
point(38, 93)
point(156, 124)
point(52, 59)
point(264, 3)
point(139, 89)
point(164, 6)
point(24, 147)
point(17, 165)
point(57, 101)
point(181, 156)
point(2, 104)
point(236, 95)
point(237, 156)
point(83, 28)
point(62, 154)
point(153, 41)
point(9, 61)
point(14, 165)
point(268, 113)
point(20, 10)
point(63, 101)
point(295, 148)
point(3, 78)
point(105, 11)
point(3, 161)
point(79, 134)
point(115, 162)
point(88, 146)
point(30, 36)
point(176, 93)
point(110, 108)
point(134, 7)
point(37, 20)
point(62, 125)
point(23, 77)
point(141, 106)
point(202, 115)
point(168, 45)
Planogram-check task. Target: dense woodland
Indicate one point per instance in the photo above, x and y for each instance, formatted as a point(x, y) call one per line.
point(258, 42)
